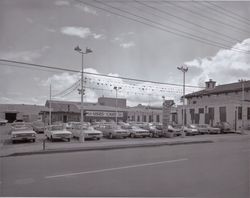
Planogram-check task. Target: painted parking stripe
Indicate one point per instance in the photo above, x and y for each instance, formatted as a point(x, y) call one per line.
point(24, 181)
point(117, 168)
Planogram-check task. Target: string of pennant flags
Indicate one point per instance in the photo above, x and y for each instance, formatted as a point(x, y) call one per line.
point(128, 88)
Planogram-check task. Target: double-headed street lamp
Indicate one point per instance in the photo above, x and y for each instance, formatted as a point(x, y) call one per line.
point(116, 90)
point(184, 69)
point(87, 51)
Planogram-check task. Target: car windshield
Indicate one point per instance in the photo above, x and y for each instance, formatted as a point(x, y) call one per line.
point(38, 123)
point(203, 126)
point(22, 127)
point(56, 127)
point(192, 126)
point(115, 127)
point(135, 127)
point(159, 126)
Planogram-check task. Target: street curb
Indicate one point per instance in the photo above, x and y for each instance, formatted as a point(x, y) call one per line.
point(112, 147)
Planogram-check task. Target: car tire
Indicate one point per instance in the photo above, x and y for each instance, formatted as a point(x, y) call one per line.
point(98, 138)
point(110, 136)
point(13, 141)
point(52, 139)
point(132, 135)
point(68, 139)
point(33, 140)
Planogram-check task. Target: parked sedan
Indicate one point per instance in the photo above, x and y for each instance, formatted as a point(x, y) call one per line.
point(206, 129)
point(57, 132)
point(22, 132)
point(224, 127)
point(203, 128)
point(38, 126)
point(88, 132)
point(176, 130)
point(136, 131)
point(114, 131)
point(191, 129)
point(3, 121)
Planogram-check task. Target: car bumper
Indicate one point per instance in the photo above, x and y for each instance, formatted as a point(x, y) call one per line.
point(22, 138)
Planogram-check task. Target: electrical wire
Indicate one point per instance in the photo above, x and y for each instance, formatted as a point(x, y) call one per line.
point(178, 32)
point(181, 24)
point(210, 19)
point(187, 21)
point(94, 74)
point(233, 15)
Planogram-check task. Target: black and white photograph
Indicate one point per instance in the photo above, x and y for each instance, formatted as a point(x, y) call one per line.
point(125, 98)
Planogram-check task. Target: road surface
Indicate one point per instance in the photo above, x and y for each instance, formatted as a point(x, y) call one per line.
point(220, 169)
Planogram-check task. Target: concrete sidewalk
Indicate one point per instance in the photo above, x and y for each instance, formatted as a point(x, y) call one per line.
point(73, 146)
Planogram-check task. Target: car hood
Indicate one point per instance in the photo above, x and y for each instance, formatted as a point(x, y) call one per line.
point(92, 131)
point(61, 132)
point(139, 130)
point(23, 131)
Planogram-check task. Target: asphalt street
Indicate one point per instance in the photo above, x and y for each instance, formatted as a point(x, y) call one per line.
point(220, 169)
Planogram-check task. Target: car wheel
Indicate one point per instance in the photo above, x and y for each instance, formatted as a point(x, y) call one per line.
point(33, 140)
point(132, 135)
point(110, 135)
point(98, 138)
point(151, 135)
point(68, 139)
point(13, 141)
point(52, 139)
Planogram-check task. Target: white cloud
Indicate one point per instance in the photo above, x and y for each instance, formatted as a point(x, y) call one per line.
point(76, 31)
point(226, 66)
point(82, 32)
point(86, 9)
point(50, 30)
point(62, 3)
point(127, 45)
point(27, 56)
point(29, 20)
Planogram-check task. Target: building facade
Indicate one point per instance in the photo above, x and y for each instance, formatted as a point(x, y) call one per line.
point(104, 110)
point(28, 113)
point(224, 103)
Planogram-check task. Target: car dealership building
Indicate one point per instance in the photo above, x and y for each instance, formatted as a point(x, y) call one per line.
point(104, 110)
point(223, 103)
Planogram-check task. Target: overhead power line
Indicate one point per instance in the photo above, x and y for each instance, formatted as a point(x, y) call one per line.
point(229, 13)
point(185, 20)
point(94, 74)
point(182, 25)
point(154, 24)
point(208, 18)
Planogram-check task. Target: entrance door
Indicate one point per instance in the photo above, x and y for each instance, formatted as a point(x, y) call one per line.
point(11, 117)
point(65, 119)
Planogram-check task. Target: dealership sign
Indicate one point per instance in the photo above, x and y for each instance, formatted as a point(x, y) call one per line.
point(166, 113)
point(103, 114)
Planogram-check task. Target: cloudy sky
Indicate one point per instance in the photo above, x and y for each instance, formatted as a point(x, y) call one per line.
point(135, 39)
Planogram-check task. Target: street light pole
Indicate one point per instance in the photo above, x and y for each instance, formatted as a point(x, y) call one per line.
point(184, 69)
point(79, 50)
point(116, 90)
point(242, 105)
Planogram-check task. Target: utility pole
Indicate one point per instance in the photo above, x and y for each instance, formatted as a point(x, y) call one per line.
point(184, 69)
point(116, 90)
point(242, 104)
point(79, 50)
point(50, 105)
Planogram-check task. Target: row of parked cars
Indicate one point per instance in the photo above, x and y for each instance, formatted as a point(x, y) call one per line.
point(23, 131)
